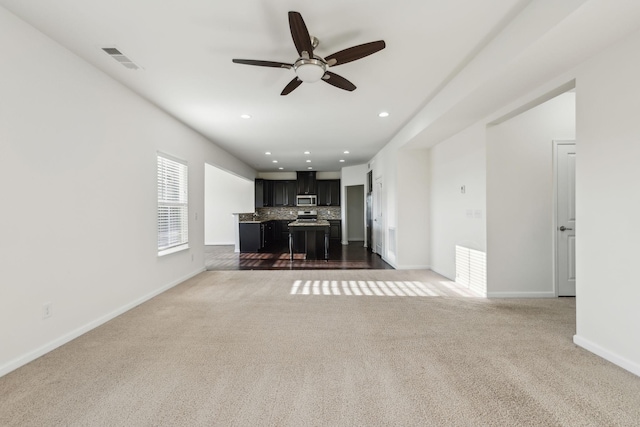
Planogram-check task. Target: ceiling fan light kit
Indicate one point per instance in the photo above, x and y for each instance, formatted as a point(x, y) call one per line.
point(310, 68)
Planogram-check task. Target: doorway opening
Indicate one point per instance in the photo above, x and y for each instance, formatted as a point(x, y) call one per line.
point(355, 215)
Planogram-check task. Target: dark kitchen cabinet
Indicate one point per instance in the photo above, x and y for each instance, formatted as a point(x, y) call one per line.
point(251, 237)
point(284, 193)
point(268, 193)
point(269, 228)
point(282, 230)
point(256, 236)
point(259, 190)
point(329, 192)
point(264, 193)
point(307, 182)
point(335, 231)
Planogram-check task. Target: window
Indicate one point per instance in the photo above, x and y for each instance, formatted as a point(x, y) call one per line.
point(173, 209)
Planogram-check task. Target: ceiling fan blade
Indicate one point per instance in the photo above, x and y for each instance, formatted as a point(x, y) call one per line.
point(338, 81)
point(355, 52)
point(291, 86)
point(300, 34)
point(262, 63)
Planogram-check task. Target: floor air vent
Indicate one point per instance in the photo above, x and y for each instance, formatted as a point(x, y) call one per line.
point(120, 57)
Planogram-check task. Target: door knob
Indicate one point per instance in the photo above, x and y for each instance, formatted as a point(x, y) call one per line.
point(563, 228)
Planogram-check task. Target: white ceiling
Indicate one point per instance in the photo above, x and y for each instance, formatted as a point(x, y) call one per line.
point(185, 49)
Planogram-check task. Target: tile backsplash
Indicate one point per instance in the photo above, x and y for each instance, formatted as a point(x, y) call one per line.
point(265, 214)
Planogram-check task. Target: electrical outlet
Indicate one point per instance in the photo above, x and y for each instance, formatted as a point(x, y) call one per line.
point(47, 310)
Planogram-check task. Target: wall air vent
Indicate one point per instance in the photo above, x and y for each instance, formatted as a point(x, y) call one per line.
point(120, 57)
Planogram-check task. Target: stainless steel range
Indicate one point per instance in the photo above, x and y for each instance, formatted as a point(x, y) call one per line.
point(308, 216)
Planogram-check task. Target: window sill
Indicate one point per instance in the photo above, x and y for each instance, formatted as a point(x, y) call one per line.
point(173, 250)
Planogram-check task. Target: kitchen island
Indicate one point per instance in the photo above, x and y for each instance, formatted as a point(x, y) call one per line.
point(311, 231)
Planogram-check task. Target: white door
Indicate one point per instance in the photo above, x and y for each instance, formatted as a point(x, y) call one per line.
point(378, 224)
point(566, 218)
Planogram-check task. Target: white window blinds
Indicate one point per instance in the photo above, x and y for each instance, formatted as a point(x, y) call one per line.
point(173, 211)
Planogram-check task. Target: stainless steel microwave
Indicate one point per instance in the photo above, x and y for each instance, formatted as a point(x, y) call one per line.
point(307, 200)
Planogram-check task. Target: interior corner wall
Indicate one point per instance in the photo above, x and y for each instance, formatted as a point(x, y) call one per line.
point(78, 155)
point(412, 227)
point(225, 194)
point(457, 215)
point(607, 204)
point(520, 198)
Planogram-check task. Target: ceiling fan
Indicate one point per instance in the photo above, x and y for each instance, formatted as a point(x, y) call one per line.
point(310, 67)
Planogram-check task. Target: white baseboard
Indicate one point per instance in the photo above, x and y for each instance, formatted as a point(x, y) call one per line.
point(34, 354)
point(414, 267)
point(521, 295)
point(345, 242)
point(219, 243)
point(612, 357)
point(453, 279)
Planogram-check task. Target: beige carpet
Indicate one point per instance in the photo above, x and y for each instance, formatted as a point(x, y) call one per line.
point(325, 348)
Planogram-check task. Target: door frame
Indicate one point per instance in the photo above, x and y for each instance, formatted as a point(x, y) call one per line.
point(378, 213)
point(554, 221)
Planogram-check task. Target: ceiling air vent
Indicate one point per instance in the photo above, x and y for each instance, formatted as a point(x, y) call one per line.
point(119, 56)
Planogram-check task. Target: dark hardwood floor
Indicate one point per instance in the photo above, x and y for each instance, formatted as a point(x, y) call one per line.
point(341, 257)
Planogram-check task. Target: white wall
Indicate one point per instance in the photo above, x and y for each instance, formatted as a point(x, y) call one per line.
point(78, 164)
point(520, 198)
point(457, 218)
point(608, 202)
point(225, 194)
point(412, 225)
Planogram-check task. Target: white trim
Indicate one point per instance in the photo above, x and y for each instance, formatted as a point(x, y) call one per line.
point(34, 354)
point(554, 220)
point(612, 357)
point(392, 264)
point(219, 243)
point(173, 250)
point(550, 294)
point(345, 242)
point(414, 267)
point(442, 274)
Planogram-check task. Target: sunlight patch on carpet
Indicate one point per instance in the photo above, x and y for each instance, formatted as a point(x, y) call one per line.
point(380, 288)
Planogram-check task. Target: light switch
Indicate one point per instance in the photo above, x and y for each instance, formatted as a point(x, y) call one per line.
point(469, 213)
point(478, 214)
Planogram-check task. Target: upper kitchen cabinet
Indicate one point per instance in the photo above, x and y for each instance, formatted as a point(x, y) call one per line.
point(307, 183)
point(329, 192)
point(259, 190)
point(284, 193)
point(264, 193)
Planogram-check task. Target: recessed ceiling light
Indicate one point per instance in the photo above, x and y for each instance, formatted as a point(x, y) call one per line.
point(309, 167)
point(307, 152)
point(268, 153)
point(346, 152)
point(275, 161)
point(280, 168)
point(341, 160)
point(383, 114)
point(308, 161)
point(245, 116)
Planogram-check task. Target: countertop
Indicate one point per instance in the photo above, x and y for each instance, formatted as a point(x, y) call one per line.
point(318, 223)
point(260, 221)
point(295, 223)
